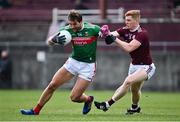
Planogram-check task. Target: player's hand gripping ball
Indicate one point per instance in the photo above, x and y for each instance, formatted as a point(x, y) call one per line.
point(62, 38)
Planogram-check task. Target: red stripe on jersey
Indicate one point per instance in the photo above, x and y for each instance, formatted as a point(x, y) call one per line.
point(83, 40)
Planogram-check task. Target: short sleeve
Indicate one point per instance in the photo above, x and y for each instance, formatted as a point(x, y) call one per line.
point(120, 31)
point(141, 37)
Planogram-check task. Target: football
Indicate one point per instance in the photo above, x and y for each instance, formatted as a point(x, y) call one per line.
point(67, 36)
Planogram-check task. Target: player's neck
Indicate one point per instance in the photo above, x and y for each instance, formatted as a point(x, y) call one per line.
point(135, 28)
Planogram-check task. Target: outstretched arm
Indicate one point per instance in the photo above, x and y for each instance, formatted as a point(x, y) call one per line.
point(111, 37)
point(128, 47)
point(115, 33)
point(105, 31)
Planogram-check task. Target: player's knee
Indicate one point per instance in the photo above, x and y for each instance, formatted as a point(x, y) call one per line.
point(128, 82)
point(74, 98)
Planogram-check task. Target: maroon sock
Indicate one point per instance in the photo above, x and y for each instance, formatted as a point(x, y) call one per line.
point(89, 99)
point(37, 109)
point(111, 101)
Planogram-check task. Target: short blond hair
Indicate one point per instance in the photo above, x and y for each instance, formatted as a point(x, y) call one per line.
point(134, 13)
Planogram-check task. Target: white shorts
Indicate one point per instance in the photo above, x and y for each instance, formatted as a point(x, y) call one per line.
point(84, 70)
point(150, 69)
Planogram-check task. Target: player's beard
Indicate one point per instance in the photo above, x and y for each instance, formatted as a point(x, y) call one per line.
point(76, 29)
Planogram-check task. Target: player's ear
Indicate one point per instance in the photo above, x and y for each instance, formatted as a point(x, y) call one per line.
point(137, 19)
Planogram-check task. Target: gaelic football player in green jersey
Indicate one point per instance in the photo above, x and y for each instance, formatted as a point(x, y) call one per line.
point(81, 63)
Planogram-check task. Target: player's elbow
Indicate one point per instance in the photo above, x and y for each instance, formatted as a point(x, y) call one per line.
point(128, 50)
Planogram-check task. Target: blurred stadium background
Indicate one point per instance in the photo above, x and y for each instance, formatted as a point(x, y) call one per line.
point(25, 25)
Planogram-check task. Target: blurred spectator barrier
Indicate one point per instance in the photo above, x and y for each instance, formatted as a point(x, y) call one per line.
point(91, 15)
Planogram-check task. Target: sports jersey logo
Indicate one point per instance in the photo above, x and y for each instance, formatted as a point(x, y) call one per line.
point(130, 36)
point(79, 42)
point(83, 40)
point(86, 34)
point(126, 35)
point(79, 34)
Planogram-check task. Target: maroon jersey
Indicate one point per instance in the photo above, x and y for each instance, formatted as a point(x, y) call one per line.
point(140, 56)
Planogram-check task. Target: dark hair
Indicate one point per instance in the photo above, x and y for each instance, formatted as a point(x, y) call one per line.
point(74, 15)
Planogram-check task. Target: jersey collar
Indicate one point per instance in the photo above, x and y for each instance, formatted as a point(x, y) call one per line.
point(135, 29)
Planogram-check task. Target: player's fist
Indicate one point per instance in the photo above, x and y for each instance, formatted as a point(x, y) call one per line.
point(104, 31)
point(59, 39)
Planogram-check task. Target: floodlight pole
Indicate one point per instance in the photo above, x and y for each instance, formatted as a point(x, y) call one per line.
point(103, 9)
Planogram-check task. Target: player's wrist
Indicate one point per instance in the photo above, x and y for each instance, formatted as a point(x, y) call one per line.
point(110, 39)
point(55, 38)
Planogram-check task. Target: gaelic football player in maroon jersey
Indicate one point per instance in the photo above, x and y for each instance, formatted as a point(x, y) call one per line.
point(136, 43)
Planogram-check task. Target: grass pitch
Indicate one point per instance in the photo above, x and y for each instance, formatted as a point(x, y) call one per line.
point(155, 107)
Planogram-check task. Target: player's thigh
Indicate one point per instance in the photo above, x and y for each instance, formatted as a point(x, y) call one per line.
point(61, 76)
point(137, 76)
point(80, 86)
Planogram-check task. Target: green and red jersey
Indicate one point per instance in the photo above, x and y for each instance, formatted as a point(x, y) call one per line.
point(84, 42)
